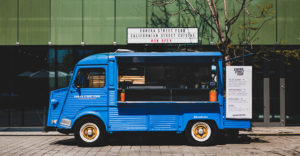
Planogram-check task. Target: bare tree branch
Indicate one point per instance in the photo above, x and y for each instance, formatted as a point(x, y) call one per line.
point(177, 12)
point(192, 7)
point(218, 21)
point(161, 3)
point(226, 18)
point(212, 11)
point(201, 15)
point(251, 38)
point(250, 15)
point(235, 17)
point(208, 11)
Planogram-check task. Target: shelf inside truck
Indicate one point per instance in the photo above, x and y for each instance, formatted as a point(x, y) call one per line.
point(170, 102)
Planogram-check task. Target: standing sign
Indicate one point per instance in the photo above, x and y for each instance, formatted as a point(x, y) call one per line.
point(162, 35)
point(239, 92)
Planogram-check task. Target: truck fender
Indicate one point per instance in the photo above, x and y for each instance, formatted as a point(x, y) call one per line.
point(216, 122)
point(100, 114)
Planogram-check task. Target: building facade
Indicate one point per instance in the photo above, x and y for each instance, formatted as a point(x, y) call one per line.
point(41, 41)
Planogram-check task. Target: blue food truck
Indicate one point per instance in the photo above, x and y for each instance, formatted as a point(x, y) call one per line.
point(138, 91)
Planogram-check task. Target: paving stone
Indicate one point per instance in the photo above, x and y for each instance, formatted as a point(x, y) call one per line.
point(245, 144)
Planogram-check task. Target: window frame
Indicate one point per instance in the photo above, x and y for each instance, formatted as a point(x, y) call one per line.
point(86, 68)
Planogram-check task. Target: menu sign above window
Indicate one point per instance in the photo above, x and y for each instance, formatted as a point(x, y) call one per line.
point(162, 35)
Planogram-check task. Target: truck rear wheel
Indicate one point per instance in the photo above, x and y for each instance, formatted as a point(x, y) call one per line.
point(89, 132)
point(201, 133)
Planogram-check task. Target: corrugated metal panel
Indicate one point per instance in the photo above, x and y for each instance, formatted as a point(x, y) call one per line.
point(130, 13)
point(163, 16)
point(267, 33)
point(240, 32)
point(34, 22)
point(98, 22)
point(66, 27)
point(60, 96)
point(163, 117)
point(66, 22)
point(124, 118)
point(189, 19)
point(112, 97)
point(236, 31)
point(237, 124)
point(163, 122)
point(74, 104)
point(8, 22)
point(288, 22)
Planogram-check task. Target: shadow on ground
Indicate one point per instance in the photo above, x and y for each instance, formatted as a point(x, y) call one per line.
point(160, 139)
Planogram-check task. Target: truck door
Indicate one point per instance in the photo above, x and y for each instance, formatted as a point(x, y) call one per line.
point(88, 89)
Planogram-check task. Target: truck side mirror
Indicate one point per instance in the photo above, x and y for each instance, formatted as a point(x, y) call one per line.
point(77, 83)
point(74, 85)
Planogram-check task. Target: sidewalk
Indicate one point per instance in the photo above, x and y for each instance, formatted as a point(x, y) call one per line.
point(255, 131)
point(273, 131)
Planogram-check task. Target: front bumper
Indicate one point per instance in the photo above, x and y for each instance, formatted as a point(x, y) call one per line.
point(48, 129)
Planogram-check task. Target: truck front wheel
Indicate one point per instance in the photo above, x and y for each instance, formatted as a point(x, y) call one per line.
point(89, 132)
point(201, 133)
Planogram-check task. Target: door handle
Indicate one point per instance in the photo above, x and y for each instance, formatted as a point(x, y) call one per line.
point(72, 91)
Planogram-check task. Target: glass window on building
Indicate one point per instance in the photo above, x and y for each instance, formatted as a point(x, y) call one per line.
point(24, 91)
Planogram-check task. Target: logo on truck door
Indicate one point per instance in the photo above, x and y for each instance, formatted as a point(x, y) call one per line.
point(87, 96)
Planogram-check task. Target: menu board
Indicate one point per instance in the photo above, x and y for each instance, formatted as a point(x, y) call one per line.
point(239, 92)
point(161, 35)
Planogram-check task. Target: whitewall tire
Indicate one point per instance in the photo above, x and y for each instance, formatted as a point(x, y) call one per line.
point(89, 132)
point(201, 133)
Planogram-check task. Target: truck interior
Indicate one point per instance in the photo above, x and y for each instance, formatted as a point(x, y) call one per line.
point(166, 80)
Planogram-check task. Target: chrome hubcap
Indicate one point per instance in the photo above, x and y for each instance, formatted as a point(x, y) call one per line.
point(90, 132)
point(200, 131)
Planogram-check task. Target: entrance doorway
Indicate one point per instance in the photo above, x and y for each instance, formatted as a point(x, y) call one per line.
point(269, 97)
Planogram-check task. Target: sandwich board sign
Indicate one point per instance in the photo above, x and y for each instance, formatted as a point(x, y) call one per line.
point(239, 92)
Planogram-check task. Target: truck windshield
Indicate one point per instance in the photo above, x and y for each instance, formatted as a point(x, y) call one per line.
point(90, 78)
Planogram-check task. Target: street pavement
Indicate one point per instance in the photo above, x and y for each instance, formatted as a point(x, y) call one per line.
point(259, 141)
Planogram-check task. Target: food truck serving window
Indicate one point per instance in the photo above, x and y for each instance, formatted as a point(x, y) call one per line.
point(90, 78)
point(167, 81)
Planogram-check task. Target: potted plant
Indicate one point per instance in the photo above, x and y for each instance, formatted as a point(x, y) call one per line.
point(123, 95)
point(213, 95)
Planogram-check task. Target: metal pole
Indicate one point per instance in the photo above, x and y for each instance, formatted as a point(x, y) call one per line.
point(266, 95)
point(282, 101)
point(45, 116)
point(276, 22)
point(266, 101)
point(282, 91)
point(56, 68)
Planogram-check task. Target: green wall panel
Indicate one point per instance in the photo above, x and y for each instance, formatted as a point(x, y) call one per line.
point(98, 22)
point(66, 22)
point(130, 13)
point(8, 22)
point(220, 6)
point(189, 19)
point(162, 16)
point(267, 33)
point(236, 30)
point(34, 22)
point(258, 30)
point(288, 22)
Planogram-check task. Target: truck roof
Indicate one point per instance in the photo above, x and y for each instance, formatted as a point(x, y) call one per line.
point(102, 58)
